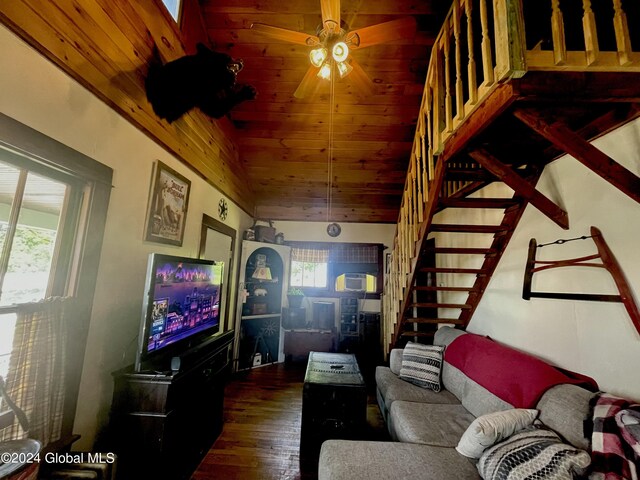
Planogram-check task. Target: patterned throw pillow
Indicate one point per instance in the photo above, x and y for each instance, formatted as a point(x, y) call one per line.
point(533, 453)
point(487, 430)
point(421, 365)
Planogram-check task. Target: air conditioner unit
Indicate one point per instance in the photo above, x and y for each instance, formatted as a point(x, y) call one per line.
point(355, 282)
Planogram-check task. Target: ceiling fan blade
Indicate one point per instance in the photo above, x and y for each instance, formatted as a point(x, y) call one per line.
point(284, 34)
point(383, 32)
point(330, 15)
point(308, 84)
point(361, 80)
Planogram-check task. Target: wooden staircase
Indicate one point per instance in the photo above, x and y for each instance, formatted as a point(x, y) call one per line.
point(433, 284)
point(503, 98)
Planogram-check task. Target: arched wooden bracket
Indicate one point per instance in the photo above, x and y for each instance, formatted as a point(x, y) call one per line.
point(609, 263)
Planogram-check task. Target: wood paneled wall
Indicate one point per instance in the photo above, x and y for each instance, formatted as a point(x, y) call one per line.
point(107, 46)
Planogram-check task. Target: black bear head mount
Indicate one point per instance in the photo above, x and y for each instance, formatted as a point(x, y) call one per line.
point(206, 80)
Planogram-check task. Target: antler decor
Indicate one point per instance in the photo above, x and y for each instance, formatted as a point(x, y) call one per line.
point(609, 263)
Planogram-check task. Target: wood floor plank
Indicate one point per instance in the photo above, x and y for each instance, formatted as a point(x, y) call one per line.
point(260, 439)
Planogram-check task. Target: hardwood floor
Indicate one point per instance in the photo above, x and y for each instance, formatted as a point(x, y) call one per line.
point(261, 435)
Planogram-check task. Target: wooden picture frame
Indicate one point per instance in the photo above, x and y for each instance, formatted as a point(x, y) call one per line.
point(168, 204)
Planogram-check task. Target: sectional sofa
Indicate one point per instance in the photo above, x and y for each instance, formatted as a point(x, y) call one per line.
point(427, 426)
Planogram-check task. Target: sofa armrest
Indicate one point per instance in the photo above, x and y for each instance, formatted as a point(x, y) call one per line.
point(395, 360)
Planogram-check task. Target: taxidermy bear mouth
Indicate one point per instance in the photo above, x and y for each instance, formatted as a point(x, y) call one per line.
point(235, 66)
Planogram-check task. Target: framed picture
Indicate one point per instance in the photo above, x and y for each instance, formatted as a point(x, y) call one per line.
point(168, 204)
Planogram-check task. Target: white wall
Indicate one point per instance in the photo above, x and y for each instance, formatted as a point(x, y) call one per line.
point(593, 338)
point(38, 94)
point(351, 232)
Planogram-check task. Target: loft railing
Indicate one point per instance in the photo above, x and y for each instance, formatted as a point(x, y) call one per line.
point(482, 44)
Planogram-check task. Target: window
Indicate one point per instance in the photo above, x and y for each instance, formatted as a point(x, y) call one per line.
point(325, 267)
point(174, 8)
point(31, 207)
point(53, 204)
point(308, 274)
point(309, 267)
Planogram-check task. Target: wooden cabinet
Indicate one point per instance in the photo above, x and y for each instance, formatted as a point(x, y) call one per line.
point(298, 343)
point(264, 271)
point(163, 424)
point(349, 325)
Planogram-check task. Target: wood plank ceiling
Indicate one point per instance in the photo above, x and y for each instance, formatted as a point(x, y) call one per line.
point(283, 142)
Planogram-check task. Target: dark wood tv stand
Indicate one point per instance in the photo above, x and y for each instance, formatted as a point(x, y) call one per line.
point(162, 424)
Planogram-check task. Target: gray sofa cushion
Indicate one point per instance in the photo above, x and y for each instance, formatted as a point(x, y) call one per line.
point(393, 388)
point(344, 459)
point(437, 425)
point(564, 409)
point(475, 398)
point(395, 360)
point(445, 335)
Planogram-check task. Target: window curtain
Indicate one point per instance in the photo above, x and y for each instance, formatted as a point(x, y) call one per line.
point(310, 255)
point(36, 374)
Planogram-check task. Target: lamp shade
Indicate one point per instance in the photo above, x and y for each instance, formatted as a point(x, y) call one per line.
point(344, 68)
point(340, 52)
point(318, 56)
point(262, 273)
point(325, 72)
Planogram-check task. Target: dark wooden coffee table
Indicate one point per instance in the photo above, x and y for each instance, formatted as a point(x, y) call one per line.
point(334, 400)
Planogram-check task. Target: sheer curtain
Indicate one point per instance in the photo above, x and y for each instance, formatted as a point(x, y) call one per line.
point(36, 374)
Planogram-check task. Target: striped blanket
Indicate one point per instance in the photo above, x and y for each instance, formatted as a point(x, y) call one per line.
point(616, 439)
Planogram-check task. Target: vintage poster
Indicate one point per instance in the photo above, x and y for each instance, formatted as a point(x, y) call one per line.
point(168, 204)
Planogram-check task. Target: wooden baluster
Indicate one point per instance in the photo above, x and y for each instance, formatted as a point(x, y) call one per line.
point(471, 64)
point(590, 33)
point(412, 202)
point(458, 60)
point(485, 45)
point(557, 34)
point(419, 170)
point(427, 155)
point(448, 102)
point(407, 238)
point(425, 172)
point(623, 40)
point(438, 101)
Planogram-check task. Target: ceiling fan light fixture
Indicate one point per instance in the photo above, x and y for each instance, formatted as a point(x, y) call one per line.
point(325, 71)
point(340, 51)
point(344, 69)
point(317, 56)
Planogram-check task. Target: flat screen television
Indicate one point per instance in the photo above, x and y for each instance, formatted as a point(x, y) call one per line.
point(181, 308)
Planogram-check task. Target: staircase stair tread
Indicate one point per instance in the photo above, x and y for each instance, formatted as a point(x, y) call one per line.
point(460, 250)
point(477, 271)
point(416, 334)
point(444, 288)
point(455, 321)
point(438, 305)
point(454, 227)
point(478, 202)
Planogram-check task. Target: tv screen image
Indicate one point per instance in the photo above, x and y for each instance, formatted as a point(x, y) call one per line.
point(182, 303)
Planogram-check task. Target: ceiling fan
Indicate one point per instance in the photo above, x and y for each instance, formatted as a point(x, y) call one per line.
point(331, 46)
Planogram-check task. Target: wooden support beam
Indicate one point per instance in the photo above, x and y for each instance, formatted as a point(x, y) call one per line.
point(597, 161)
point(522, 187)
